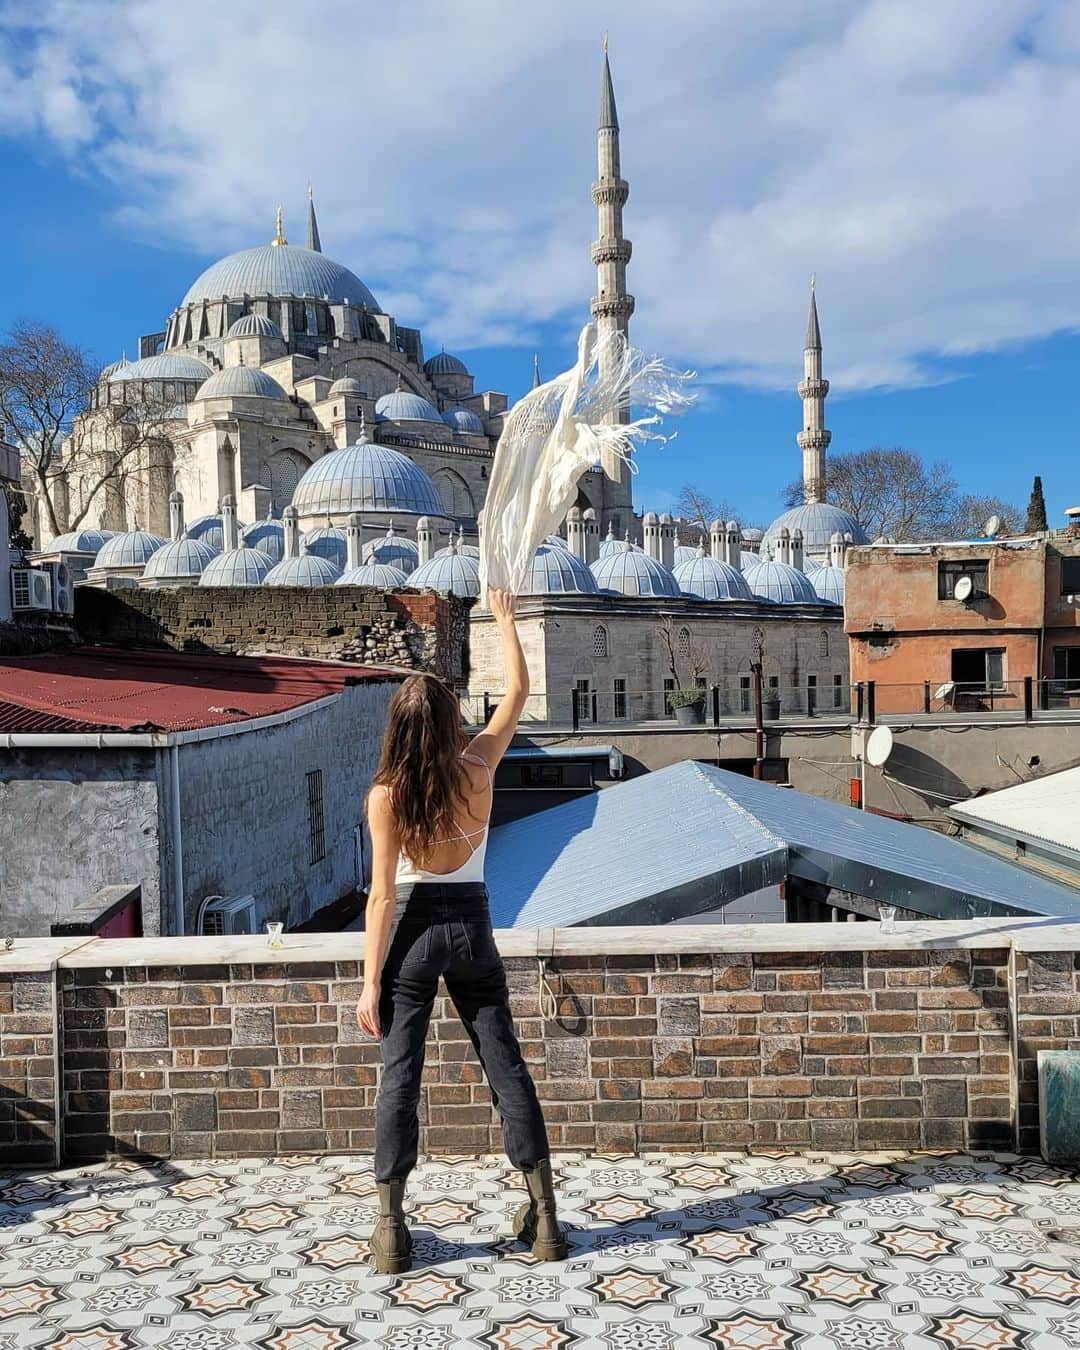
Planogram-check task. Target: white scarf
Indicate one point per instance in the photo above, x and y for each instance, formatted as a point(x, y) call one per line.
point(558, 432)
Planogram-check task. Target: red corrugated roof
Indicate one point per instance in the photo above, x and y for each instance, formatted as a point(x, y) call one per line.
point(88, 689)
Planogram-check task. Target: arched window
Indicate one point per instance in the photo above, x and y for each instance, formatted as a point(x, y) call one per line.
point(599, 641)
point(823, 642)
point(281, 473)
point(683, 643)
point(454, 493)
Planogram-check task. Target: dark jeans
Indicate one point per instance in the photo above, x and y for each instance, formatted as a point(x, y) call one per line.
point(446, 930)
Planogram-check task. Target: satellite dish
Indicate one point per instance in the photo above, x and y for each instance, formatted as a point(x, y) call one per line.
point(879, 746)
point(992, 526)
point(945, 690)
point(964, 588)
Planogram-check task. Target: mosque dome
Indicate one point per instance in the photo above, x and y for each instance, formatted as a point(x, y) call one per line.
point(752, 535)
point(404, 406)
point(211, 531)
point(828, 582)
point(748, 560)
point(684, 553)
point(556, 541)
point(706, 578)
point(240, 382)
point(108, 371)
point(179, 560)
point(306, 570)
point(466, 550)
point(134, 548)
point(463, 419)
point(268, 536)
point(164, 366)
point(280, 270)
point(380, 575)
point(238, 567)
point(80, 541)
point(348, 384)
point(611, 546)
point(556, 571)
point(631, 572)
point(327, 541)
point(254, 325)
point(366, 477)
point(453, 573)
point(781, 583)
point(819, 521)
point(442, 363)
point(393, 550)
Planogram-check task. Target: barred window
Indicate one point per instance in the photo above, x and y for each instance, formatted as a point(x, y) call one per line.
point(683, 645)
point(316, 819)
point(823, 642)
point(599, 641)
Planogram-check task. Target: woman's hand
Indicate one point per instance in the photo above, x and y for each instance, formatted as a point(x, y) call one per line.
point(367, 1011)
point(501, 604)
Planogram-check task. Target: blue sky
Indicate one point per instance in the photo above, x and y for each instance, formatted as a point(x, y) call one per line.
point(921, 158)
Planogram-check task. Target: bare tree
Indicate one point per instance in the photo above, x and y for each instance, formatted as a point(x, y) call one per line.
point(889, 491)
point(971, 514)
point(698, 508)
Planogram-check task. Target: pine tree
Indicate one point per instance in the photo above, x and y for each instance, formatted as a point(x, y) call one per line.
point(1035, 520)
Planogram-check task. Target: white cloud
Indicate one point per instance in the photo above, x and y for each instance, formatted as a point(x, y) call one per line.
point(920, 157)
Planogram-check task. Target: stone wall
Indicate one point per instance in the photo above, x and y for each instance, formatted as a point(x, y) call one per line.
point(417, 629)
point(1047, 1018)
point(27, 1068)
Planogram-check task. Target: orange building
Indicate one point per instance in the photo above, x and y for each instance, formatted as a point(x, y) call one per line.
point(963, 625)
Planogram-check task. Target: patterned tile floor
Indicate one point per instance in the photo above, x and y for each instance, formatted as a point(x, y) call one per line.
point(826, 1252)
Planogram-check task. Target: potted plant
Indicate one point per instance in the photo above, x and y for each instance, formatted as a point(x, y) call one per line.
point(688, 706)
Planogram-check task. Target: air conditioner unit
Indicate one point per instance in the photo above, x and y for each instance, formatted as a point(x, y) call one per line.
point(31, 588)
point(225, 916)
point(63, 587)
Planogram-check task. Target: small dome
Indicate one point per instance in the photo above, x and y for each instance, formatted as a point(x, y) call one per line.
point(179, 559)
point(685, 554)
point(279, 270)
point(132, 549)
point(268, 536)
point(254, 325)
point(452, 573)
point(327, 541)
point(752, 535)
point(819, 521)
point(629, 571)
point(556, 571)
point(748, 560)
point(828, 582)
point(780, 583)
point(404, 406)
point(374, 574)
point(466, 550)
point(706, 578)
point(556, 541)
point(166, 366)
point(347, 385)
point(237, 567)
point(811, 565)
point(111, 369)
point(306, 570)
point(611, 546)
point(392, 550)
point(211, 531)
point(366, 477)
point(442, 363)
point(80, 541)
point(464, 420)
point(240, 382)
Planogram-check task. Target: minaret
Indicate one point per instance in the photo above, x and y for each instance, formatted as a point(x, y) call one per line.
point(813, 440)
point(611, 306)
point(313, 241)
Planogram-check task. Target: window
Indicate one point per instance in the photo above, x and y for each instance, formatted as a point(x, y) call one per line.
point(744, 693)
point(669, 689)
point(619, 709)
point(1067, 669)
point(823, 643)
point(683, 643)
point(316, 820)
point(774, 681)
point(541, 775)
point(1070, 576)
point(838, 691)
point(951, 570)
point(583, 700)
point(299, 316)
point(978, 669)
point(701, 681)
point(811, 693)
point(599, 641)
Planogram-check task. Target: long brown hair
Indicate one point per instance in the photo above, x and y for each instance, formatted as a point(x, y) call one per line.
point(419, 765)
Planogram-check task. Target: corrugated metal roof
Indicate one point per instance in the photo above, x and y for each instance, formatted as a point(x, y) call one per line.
point(690, 837)
point(109, 689)
point(1046, 808)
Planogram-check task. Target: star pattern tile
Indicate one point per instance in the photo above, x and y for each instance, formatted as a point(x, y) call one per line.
point(752, 1252)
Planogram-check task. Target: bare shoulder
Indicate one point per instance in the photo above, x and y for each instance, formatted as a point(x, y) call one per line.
point(481, 755)
point(378, 802)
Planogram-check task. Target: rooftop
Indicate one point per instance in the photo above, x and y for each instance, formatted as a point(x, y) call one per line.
point(98, 689)
point(1046, 810)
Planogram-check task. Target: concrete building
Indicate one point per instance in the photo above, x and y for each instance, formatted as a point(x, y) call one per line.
point(965, 623)
point(192, 776)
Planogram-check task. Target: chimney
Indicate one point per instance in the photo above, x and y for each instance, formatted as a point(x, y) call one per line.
point(228, 524)
point(355, 540)
point(717, 543)
point(592, 536)
point(291, 520)
point(424, 535)
point(837, 550)
point(783, 545)
point(650, 528)
point(667, 540)
point(176, 515)
point(733, 544)
point(797, 549)
point(575, 532)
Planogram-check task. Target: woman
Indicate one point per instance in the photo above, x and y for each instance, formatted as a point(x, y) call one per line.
point(428, 812)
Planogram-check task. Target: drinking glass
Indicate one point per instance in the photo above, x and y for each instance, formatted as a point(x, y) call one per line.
point(888, 918)
point(273, 936)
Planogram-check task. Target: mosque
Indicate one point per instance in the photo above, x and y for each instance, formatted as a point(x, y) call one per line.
point(300, 437)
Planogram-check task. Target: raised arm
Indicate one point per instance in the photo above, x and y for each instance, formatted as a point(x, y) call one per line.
point(491, 743)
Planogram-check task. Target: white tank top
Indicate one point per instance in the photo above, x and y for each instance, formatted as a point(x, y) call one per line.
point(472, 869)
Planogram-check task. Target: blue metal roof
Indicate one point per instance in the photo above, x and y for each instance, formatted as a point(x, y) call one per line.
point(279, 270)
point(451, 573)
point(393, 550)
point(556, 571)
point(266, 535)
point(254, 325)
point(80, 541)
point(781, 583)
point(819, 521)
point(629, 571)
point(706, 578)
point(380, 575)
point(686, 839)
point(327, 541)
point(442, 363)
point(404, 406)
point(237, 567)
point(829, 583)
point(464, 420)
point(366, 477)
point(164, 366)
point(131, 549)
point(240, 382)
point(305, 570)
point(184, 557)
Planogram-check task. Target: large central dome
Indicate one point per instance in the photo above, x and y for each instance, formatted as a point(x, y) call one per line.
point(279, 270)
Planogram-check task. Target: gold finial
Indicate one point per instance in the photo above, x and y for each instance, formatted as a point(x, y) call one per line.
point(279, 237)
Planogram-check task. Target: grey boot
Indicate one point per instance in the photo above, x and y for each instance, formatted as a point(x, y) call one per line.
point(536, 1222)
point(391, 1242)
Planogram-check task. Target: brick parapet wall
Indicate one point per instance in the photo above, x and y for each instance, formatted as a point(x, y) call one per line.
point(1047, 998)
point(417, 629)
point(28, 1058)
